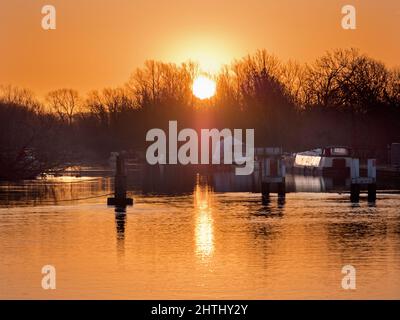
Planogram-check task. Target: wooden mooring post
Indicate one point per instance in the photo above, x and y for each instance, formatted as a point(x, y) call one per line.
point(273, 172)
point(120, 199)
point(357, 182)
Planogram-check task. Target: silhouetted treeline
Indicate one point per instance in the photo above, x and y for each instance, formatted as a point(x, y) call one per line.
point(344, 97)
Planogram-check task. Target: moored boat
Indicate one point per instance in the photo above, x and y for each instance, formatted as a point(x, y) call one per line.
point(328, 161)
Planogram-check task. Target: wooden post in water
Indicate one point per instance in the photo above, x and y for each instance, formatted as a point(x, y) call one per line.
point(357, 181)
point(265, 185)
point(120, 199)
point(272, 173)
point(282, 174)
point(355, 193)
point(372, 182)
point(355, 186)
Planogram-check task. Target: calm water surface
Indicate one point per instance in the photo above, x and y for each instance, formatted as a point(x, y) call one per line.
point(197, 244)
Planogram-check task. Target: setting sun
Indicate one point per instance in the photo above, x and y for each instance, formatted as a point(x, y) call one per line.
point(204, 87)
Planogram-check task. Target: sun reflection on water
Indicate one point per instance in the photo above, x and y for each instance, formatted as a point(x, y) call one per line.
point(204, 232)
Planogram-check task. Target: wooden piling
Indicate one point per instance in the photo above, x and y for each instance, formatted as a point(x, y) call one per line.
point(272, 171)
point(372, 184)
point(282, 189)
point(372, 192)
point(120, 187)
point(355, 192)
point(265, 189)
point(357, 181)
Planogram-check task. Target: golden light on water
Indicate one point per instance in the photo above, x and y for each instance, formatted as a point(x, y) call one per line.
point(204, 234)
point(204, 87)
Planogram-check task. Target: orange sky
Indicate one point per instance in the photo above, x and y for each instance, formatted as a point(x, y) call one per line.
point(99, 42)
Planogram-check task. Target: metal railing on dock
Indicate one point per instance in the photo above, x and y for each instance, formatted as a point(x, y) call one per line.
point(271, 169)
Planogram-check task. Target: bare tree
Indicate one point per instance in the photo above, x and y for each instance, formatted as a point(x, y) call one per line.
point(19, 96)
point(394, 87)
point(162, 84)
point(345, 78)
point(293, 76)
point(65, 103)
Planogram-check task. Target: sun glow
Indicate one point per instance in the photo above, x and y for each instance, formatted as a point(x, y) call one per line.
point(204, 87)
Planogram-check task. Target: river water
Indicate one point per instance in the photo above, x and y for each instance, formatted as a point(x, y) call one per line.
point(195, 240)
